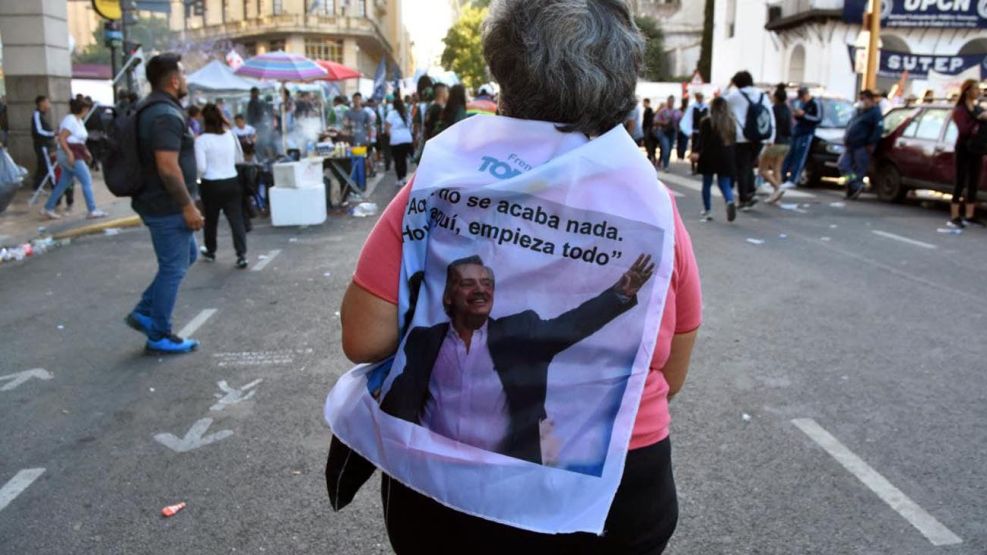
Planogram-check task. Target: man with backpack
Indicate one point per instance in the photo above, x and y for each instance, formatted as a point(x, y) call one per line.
point(807, 114)
point(162, 157)
point(751, 109)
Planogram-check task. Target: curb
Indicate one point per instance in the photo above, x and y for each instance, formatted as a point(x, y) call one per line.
point(129, 221)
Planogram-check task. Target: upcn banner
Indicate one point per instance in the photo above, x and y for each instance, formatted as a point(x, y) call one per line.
point(894, 63)
point(952, 14)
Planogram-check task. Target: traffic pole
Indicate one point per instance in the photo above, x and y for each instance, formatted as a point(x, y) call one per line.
point(873, 58)
point(124, 28)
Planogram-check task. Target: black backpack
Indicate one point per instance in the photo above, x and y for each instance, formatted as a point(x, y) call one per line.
point(758, 121)
point(122, 168)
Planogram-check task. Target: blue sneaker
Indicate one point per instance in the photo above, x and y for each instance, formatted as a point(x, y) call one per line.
point(171, 345)
point(138, 322)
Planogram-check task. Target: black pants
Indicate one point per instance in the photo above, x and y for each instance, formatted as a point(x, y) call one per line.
point(650, 144)
point(641, 520)
point(968, 166)
point(746, 154)
point(42, 168)
point(225, 195)
point(401, 154)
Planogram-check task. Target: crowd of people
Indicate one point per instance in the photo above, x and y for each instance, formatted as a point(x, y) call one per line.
point(749, 135)
point(750, 132)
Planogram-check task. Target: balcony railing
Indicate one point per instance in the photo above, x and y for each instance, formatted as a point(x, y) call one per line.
point(788, 13)
point(289, 23)
point(796, 7)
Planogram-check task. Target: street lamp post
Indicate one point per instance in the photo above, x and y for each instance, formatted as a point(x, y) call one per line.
point(125, 7)
point(873, 46)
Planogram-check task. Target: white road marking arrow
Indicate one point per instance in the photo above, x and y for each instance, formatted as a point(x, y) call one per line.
point(194, 438)
point(231, 396)
point(21, 377)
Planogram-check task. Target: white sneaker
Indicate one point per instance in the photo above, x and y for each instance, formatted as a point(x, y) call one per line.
point(776, 196)
point(705, 216)
point(50, 214)
point(788, 185)
point(96, 214)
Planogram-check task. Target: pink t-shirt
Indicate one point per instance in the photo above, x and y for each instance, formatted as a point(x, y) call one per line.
point(379, 272)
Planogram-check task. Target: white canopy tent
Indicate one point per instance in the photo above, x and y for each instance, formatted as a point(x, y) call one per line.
point(217, 78)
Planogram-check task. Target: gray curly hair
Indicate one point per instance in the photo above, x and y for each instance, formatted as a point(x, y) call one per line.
point(571, 62)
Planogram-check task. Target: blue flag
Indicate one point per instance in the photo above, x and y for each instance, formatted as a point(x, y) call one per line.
point(380, 80)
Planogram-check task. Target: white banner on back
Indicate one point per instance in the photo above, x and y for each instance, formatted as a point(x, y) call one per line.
point(534, 274)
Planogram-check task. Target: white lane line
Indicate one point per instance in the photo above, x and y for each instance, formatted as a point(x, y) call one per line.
point(925, 523)
point(696, 185)
point(196, 322)
point(20, 482)
point(265, 261)
point(887, 235)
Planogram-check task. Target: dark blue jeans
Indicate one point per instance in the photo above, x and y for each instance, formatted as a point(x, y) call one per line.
point(853, 165)
point(174, 246)
point(791, 169)
point(665, 142)
point(724, 182)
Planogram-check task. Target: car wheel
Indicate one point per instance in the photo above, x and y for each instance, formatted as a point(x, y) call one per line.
point(810, 176)
point(887, 184)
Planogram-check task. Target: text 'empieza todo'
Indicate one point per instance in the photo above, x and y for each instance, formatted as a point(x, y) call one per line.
point(438, 218)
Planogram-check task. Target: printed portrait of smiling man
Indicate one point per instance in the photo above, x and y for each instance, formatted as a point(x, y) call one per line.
point(481, 380)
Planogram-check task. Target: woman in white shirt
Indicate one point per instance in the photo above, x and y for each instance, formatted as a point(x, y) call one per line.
point(398, 127)
point(73, 157)
point(217, 152)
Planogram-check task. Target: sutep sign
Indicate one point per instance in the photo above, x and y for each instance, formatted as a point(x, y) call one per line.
point(955, 14)
point(919, 65)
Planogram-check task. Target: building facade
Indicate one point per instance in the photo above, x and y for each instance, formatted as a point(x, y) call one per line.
point(811, 41)
point(682, 23)
point(356, 33)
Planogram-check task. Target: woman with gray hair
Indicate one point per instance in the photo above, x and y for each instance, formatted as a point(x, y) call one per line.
point(573, 63)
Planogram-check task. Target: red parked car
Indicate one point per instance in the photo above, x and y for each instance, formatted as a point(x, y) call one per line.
point(916, 152)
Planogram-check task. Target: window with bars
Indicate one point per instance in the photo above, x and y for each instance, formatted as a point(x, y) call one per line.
point(277, 7)
point(250, 49)
point(195, 8)
point(357, 8)
point(323, 7)
point(324, 49)
point(276, 45)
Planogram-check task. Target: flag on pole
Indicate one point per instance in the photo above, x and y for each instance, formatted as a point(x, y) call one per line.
point(233, 59)
point(380, 80)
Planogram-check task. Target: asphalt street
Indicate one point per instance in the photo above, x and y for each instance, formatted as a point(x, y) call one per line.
point(835, 404)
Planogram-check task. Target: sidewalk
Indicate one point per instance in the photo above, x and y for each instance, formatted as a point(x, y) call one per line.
point(21, 223)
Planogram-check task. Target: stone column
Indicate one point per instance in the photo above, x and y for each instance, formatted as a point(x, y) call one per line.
point(35, 62)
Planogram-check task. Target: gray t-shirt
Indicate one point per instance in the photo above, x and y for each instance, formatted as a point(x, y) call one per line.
point(359, 122)
point(163, 126)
